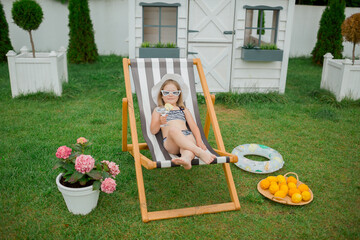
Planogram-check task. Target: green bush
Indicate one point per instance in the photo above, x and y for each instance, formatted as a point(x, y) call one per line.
point(82, 47)
point(329, 38)
point(28, 15)
point(5, 43)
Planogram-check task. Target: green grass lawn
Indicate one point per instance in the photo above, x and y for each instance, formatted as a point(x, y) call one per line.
point(318, 139)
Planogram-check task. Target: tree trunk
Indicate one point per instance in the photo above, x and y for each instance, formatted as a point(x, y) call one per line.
point(32, 44)
point(353, 56)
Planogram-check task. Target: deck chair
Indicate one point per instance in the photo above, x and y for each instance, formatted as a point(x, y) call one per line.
point(146, 73)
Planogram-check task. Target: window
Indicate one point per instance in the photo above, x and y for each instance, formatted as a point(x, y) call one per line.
point(261, 25)
point(160, 22)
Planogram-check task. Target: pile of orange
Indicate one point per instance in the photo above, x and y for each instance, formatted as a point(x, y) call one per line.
point(281, 187)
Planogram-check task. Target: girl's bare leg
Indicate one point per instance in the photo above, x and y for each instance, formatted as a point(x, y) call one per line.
point(176, 140)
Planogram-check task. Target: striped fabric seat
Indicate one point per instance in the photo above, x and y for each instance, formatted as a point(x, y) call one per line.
point(145, 74)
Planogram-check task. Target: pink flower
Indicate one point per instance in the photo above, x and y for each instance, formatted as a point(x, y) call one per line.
point(108, 185)
point(81, 140)
point(84, 163)
point(63, 152)
point(114, 169)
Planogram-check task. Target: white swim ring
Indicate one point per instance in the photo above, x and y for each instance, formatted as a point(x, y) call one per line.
point(275, 162)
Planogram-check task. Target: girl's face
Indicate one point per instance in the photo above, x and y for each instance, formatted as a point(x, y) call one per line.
point(172, 99)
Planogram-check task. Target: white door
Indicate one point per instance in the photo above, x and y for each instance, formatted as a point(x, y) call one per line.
point(210, 38)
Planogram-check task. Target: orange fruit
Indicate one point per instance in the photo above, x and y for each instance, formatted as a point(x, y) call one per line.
point(296, 198)
point(306, 196)
point(280, 193)
point(272, 179)
point(281, 179)
point(284, 188)
point(303, 187)
point(292, 191)
point(273, 188)
point(291, 179)
point(265, 184)
point(291, 185)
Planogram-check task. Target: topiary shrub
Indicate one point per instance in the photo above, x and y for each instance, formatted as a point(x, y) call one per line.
point(82, 47)
point(5, 43)
point(28, 15)
point(350, 29)
point(329, 38)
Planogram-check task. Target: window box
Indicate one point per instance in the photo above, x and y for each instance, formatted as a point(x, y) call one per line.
point(261, 55)
point(159, 52)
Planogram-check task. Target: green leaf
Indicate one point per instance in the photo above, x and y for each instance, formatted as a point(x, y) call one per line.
point(96, 185)
point(95, 174)
point(69, 167)
point(105, 175)
point(59, 164)
point(76, 176)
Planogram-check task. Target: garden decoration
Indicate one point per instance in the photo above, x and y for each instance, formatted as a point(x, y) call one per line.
point(285, 190)
point(41, 72)
point(146, 73)
point(275, 162)
point(350, 29)
point(82, 177)
point(159, 50)
point(28, 15)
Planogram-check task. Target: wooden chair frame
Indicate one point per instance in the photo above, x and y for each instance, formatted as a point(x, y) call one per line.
point(135, 147)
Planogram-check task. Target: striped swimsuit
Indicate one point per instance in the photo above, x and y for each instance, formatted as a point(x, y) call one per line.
point(178, 115)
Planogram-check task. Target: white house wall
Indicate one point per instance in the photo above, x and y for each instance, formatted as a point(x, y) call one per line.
point(260, 76)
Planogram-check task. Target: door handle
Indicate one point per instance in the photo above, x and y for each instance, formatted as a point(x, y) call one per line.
point(192, 52)
point(229, 32)
point(192, 31)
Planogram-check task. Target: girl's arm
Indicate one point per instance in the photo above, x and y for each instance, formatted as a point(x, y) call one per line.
point(194, 129)
point(155, 122)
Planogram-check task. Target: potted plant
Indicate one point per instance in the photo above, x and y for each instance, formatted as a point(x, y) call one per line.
point(264, 53)
point(30, 73)
point(341, 76)
point(159, 50)
point(82, 177)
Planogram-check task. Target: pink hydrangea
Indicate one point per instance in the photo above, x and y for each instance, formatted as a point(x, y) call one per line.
point(63, 152)
point(114, 169)
point(108, 185)
point(84, 163)
point(81, 140)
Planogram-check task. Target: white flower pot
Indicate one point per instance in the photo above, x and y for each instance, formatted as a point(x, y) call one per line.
point(44, 73)
point(341, 77)
point(78, 200)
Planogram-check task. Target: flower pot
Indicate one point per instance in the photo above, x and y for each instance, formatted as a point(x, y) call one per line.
point(44, 73)
point(78, 200)
point(159, 52)
point(341, 77)
point(261, 55)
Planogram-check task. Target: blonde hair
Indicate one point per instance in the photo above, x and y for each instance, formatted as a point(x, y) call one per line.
point(180, 101)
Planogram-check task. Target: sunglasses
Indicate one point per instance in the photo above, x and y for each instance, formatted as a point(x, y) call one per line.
point(175, 93)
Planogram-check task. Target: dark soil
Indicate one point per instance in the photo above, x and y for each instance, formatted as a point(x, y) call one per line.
point(75, 185)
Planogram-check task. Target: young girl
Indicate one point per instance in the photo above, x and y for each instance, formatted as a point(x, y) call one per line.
point(177, 138)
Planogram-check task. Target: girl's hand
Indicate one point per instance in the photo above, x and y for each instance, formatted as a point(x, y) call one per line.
point(201, 145)
point(163, 120)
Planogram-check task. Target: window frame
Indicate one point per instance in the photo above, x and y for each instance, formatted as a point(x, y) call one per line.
point(160, 6)
point(259, 26)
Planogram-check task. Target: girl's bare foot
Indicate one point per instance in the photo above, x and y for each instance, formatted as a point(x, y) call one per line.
point(183, 162)
point(206, 157)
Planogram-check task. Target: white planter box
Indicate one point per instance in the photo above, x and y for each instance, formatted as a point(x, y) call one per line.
point(44, 73)
point(341, 77)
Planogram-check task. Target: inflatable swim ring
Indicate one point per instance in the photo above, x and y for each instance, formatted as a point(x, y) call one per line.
point(275, 162)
